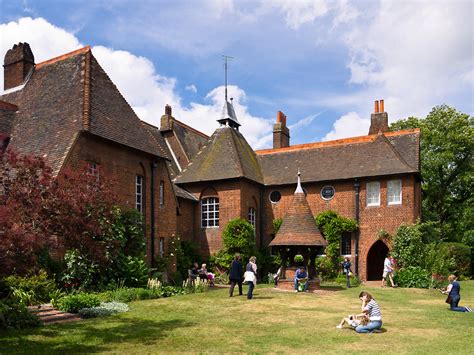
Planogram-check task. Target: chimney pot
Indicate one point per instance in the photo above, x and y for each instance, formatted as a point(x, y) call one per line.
point(381, 106)
point(168, 110)
point(376, 107)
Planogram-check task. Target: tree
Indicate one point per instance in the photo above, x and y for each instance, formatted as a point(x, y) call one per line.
point(447, 170)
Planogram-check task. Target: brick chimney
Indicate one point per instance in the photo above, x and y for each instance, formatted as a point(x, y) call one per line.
point(17, 65)
point(281, 133)
point(379, 119)
point(166, 123)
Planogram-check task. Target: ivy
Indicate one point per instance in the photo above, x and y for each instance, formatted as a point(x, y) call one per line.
point(333, 226)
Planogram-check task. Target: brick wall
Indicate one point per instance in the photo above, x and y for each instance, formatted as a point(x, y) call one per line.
point(122, 164)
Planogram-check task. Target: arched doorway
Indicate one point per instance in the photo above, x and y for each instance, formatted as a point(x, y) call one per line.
point(375, 259)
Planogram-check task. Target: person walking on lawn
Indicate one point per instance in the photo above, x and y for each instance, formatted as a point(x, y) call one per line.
point(235, 275)
point(387, 271)
point(250, 276)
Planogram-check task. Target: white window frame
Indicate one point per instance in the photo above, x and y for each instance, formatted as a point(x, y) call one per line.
point(371, 194)
point(162, 193)
point(392, 198)
point(253, 218)
point(139, 193)
point(210, 212)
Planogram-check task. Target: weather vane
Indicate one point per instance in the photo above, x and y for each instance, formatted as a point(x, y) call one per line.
point(226, 58)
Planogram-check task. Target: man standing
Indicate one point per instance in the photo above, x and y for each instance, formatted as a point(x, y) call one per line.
point(235, 275)
point(346, 267)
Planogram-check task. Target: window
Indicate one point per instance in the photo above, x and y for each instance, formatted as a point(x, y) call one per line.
point(346, 244)
point(252, 218)
point(162, 193)
point(394, 192)
point(162, 247)
point(373, 193)
point(92, 169)
point(327, 192)
point(139, 193)
point(210, 212)
point(275, 196)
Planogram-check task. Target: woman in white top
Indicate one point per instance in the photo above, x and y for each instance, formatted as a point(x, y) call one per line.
point(250, 276)
point(387, 271)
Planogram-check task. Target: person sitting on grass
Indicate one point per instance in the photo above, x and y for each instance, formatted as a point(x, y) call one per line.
point(301, 277)
point(371, 309)
point(353, 321)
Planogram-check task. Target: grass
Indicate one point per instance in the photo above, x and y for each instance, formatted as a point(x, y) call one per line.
point(415, 320)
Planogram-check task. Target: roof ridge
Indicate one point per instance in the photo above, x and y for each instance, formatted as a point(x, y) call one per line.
point(154, 138)
point(63, 56)
point(336, 142)
point(86, 108)
point(184, 125)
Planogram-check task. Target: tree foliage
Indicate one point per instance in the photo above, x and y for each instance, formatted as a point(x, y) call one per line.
point(408, 248)
point(447, 169)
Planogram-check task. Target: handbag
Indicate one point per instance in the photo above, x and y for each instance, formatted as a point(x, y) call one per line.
point(449, 299)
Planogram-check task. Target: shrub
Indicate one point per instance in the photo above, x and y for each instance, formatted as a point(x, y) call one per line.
point(298, 258)
point(32, 289)
point(354, 280)
point(413, 276)
point(134, 271)
point(324, 268)
point(16, 316)
point(79, 272)
point(458, 258)
point(105, 309)
point(74, 302)
point(221, 278)
point(277, 224)
point(408, 247)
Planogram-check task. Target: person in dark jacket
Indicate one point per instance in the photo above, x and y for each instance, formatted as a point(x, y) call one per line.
point(454, 297)
point(346, 267)
point(235, 275)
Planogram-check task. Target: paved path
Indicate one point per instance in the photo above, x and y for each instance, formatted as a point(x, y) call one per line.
point(48, 315)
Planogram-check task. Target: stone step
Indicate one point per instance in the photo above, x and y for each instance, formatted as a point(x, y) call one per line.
point(60, 317)
point(49, 315)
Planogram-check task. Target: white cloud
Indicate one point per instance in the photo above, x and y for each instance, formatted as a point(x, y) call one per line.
point(191, 88)
point(349, 125)
point(137, 79)
point(415, 55)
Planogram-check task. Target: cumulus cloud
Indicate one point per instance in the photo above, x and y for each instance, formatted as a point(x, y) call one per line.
point(414, 56)
point(349, 125)
point(138, 80)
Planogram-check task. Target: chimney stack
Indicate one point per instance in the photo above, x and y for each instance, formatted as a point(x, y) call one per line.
point(166, 123)
point(281, 133)
point(379, 119)
point(18, 63)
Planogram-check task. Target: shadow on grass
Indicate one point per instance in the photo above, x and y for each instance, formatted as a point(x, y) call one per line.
point(89, 336)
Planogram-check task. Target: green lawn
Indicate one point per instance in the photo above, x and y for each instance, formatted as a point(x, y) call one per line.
point(416, 321)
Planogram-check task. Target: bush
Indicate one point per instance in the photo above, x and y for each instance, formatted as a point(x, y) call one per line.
point(298, 258)
point(32, 289)
point(16, 316)
point(277, 222)
point(324, 268)
point(458, 258)
point(408, 247)
point(79, 272)
point(341, 280)
point(74, 302)
point(413, 276)
point(105, 309)
point(134, 271)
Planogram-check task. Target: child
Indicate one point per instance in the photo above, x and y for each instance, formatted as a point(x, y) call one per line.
point(352, 321)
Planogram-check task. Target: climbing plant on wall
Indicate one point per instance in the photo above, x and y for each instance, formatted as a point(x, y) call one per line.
point(333, 226)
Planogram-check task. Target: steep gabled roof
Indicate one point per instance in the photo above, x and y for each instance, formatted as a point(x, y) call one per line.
point(226, 155)
point(298, 227)
point(374, 155)
point(67, 95)
point(190, 139)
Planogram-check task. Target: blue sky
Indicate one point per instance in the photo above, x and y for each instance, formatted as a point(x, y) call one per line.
point(322, 63)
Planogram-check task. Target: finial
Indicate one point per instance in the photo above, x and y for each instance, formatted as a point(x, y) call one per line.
point(226, 58)
point(299, 189)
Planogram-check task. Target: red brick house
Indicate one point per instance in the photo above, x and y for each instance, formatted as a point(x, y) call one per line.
point(68, 111)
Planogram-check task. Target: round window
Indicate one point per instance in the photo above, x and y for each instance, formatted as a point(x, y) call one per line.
point(327, 192)
point(275, 196)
